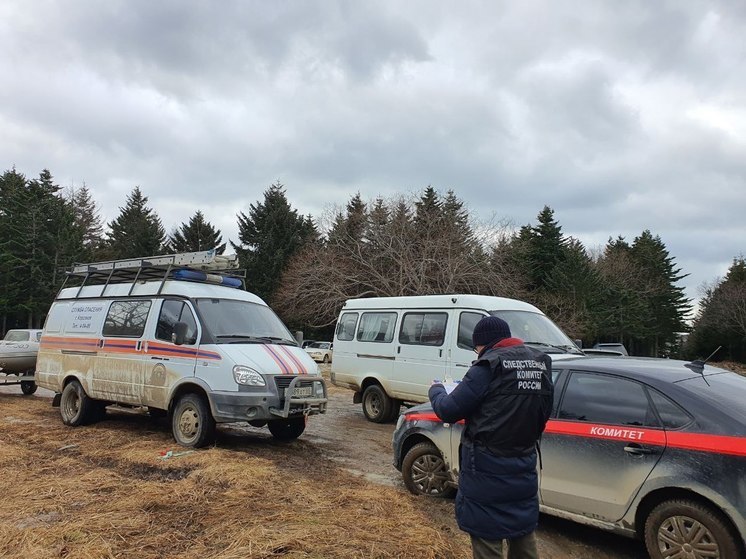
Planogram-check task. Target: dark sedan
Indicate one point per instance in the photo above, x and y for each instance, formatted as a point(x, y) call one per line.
point(648, 448)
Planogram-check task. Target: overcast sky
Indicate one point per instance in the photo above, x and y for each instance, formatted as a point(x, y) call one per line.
point(621, 116)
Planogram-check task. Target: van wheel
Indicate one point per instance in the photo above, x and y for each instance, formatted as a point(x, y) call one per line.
point(28, 387)
point(287, 429)
point(425, 472)
point(192, 423)
point(76, 407)
point(377, 405)
point(687, 528)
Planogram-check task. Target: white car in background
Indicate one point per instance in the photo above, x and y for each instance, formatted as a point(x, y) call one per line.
point(320, 351)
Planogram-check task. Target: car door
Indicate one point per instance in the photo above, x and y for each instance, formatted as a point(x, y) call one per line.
point(601, 446)
point(166, 362)
point(420, 353)
point(118, 370)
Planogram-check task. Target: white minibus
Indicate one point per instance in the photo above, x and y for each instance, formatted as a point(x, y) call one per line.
point(388, 350)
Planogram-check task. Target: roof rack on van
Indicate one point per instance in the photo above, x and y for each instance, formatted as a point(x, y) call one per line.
point(187, 266)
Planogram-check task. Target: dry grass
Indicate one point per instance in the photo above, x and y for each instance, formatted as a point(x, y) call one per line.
point(103, 491)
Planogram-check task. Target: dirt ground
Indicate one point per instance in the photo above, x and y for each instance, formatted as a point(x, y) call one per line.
point(105, 491)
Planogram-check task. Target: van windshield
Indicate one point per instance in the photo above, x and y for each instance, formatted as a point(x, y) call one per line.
point(231, 321)
point(17, 336)
point(537, 330)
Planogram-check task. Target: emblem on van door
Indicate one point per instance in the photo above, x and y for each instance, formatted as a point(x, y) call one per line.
point(158, 376)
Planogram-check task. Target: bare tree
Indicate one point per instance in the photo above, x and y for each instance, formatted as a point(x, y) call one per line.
point(405, 248)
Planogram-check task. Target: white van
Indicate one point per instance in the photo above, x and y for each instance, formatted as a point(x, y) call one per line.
point(172, 334)
point(390, 349)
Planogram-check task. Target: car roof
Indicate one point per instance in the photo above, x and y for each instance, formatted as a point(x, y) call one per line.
point(649, 369)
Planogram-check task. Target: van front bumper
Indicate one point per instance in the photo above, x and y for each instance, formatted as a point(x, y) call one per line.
point(231, 406)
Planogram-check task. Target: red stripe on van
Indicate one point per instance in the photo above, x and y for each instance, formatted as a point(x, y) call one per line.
point(283, 366)
point(301, 369)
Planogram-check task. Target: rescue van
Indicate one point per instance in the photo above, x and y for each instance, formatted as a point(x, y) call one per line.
point(388, 350)
point(178, 335)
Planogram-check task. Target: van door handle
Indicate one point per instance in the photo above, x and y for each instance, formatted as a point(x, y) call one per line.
point(440, 352)
point(398, 349)
point(159, 358)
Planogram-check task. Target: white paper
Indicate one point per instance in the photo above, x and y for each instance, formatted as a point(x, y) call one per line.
point(449, 385)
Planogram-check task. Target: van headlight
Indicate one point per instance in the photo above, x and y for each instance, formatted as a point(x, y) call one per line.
point(247, 376)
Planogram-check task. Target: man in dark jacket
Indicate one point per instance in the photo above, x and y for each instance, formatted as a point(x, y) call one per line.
point(506, 399)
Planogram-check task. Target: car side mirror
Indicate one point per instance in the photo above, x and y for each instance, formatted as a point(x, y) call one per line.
point(179, 334)
point(579, 343)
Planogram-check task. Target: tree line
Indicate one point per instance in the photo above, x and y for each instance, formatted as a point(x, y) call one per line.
point(422, 243)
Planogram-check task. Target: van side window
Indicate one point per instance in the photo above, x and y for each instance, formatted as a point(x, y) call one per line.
point(376, 327)
point(173, 311)
point(466, 323)
point(421, 328)
point(346, 326)
point(126, 318)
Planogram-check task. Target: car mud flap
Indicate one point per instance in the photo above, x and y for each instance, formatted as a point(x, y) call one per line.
point(56, 400)
point(300, 405)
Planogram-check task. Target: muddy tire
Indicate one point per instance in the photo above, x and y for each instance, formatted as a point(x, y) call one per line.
point(192, 423)
point(377, 406)
point(425, 473)
point(683, 528)
point(28, 387)
point(325, 360)
point(287, 429)
point(76, 407)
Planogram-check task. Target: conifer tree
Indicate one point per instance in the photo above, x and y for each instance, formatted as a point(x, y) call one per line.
point(195, 236)
point(137, 230)
point(270, 234)
point(87, 224)
point(721, 320)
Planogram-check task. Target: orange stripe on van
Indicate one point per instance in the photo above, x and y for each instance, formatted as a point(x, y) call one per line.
point(301, 369)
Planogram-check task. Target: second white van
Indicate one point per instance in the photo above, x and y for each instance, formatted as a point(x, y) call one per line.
point(388, 350)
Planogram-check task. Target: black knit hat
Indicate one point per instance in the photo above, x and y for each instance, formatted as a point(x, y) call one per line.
point(490, 330)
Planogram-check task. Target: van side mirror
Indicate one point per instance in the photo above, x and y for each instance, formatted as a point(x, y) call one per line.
point(179, 334)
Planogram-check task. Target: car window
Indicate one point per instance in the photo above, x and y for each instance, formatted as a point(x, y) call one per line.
point(126, 318)
point(173, 311)
point(376, 327)
point(346, 326)
point(466, 323)
point(599, 398)
point(16, 336)
point(671, 414)
point(423, 328)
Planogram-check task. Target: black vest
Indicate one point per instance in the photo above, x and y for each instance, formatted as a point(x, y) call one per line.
point(516, 404)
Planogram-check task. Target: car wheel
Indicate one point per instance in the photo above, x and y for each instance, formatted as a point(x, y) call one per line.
point(76, 407)
point(287, 429)
point(28, 387)
point(192, 423)
point(376, 404)
point(425, 472)
point(683, 528)
point(325, 360)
